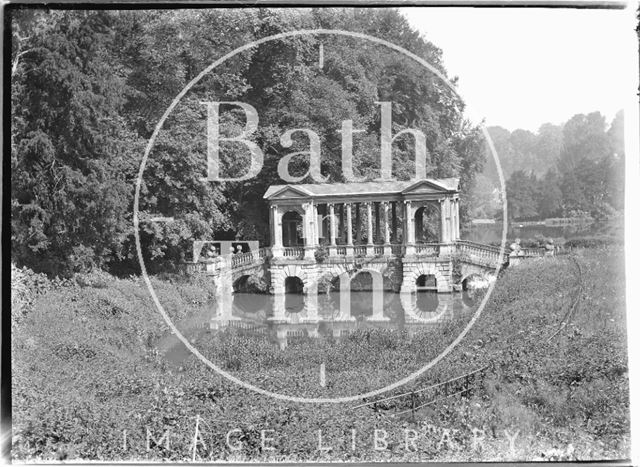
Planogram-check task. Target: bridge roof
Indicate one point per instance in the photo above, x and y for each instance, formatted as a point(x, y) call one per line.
point(313, 190)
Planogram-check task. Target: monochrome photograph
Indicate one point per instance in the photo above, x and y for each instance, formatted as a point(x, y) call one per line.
point(318, 234)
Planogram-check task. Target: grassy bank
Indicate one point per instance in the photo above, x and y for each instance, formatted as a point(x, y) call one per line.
point(90, 383)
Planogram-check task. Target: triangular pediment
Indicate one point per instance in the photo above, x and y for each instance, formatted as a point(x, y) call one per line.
point(289, 192)
point(425, 187)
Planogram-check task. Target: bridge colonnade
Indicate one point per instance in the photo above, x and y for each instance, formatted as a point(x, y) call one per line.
point(389, 215)
point(407, 231)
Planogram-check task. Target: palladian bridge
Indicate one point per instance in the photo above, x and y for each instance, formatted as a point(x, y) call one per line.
point(405, 234)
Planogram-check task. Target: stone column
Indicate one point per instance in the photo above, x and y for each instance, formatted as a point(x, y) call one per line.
point(358, 230)
point(341, 222)
point(447, 210)
point(309, 246)
point(369, 224)
point(377, 224)
point(385, 228)
point(419, 219)
point(410, 231)
point(446, 226)
point(443, 221)
point(332, 230)
point(276, 217)
point(315, 227)
point(349, 231)
point(456, 219)
point(394, 221)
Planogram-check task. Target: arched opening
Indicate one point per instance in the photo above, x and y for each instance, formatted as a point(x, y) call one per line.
point(428, 224)
point(293, 285)
point(426, 282)
point(361, 295)
point(474, 282)
point(249, 283)
point(240, 285)
point(328, 283)
point(294, 298)
point(292, 229)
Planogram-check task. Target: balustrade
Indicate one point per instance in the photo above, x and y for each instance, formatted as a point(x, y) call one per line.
point(360, 250)
point(427, 249)
point(478, 253)
point(293, 252)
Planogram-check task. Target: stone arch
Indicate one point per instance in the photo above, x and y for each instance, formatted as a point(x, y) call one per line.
point(376, 277)
point(427, 282)
point(329, 279)
point(293, 285)
point(411, 277)
point(469, 269)
point(247, 282)
point(291, 270)
point(377, 292)
point(259, 277)
point(340, 276)
point(465, 279)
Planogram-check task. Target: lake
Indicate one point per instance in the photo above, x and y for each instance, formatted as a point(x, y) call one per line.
point(332, 315)
point(492, 233)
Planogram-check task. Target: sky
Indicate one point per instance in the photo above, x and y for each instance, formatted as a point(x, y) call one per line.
point(522, 67)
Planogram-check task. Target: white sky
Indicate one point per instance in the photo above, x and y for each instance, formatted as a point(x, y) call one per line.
point(522, 67)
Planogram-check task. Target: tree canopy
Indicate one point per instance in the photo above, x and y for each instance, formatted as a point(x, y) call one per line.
point(88, 88)
point(574, 169)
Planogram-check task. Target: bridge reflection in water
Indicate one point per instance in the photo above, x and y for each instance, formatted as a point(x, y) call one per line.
point(336, 314)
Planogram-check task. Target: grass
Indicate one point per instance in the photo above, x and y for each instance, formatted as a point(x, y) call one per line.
point(86, 368)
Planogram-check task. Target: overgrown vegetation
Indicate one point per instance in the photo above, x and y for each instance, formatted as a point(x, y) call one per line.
point(86, 367)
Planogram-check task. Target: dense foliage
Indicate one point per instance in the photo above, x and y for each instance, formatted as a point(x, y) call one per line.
point(88, 88)
point(572, 170)
point(87, 367)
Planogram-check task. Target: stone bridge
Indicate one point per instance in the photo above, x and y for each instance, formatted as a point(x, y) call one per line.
point(441, 267)
point(405, 234)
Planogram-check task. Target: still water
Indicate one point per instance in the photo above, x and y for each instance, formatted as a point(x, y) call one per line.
point(335, 315)
point(492, 233)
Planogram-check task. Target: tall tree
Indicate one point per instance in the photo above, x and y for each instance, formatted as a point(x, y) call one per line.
point(522, 195)
point(68, 195)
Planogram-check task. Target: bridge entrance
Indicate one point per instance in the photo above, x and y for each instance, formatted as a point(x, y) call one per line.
point(292, 229)
point(428, 224)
